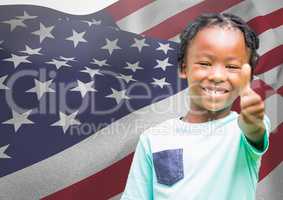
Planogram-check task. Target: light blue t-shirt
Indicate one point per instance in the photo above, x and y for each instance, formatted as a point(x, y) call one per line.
point(195, 161)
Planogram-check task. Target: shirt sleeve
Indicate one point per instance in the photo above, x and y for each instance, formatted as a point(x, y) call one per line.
point(139, 182)
point(255, 152)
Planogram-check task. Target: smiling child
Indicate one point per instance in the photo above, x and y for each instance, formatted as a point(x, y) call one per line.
point(211, 152)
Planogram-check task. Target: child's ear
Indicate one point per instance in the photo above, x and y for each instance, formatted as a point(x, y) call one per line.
point(183, 71)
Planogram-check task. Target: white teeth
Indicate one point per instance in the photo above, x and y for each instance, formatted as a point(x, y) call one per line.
point(213, 92)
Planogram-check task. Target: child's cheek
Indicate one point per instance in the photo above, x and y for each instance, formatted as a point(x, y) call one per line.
point(199, 76)
point(236, 81)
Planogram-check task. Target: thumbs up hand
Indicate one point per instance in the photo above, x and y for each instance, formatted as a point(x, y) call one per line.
point(252, 108)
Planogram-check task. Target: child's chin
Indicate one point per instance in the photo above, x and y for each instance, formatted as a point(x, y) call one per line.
point(215, 108)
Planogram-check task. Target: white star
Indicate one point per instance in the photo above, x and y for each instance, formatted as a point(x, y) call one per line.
point(59, 63)
point(160, 82)
point(2, 86)
point(163, 64)
point(134, 67)
point(91, 72)
point(2, 152)
point(83, 88)
point(118, 95)
point(17, 60)
point(164, 47)
point(68, 59)
point(19, 119)
point(31, 51)
point(44, 32)
point(26, 16)
point(76, 38)
point(111, 45)
point(66, 121)
point(14, 23)
point(139, 44)
point(41, 87)
point(100, 63)
point(126, 78)
point(93, 22)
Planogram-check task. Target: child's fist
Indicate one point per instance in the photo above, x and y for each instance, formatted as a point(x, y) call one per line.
point(252, 106)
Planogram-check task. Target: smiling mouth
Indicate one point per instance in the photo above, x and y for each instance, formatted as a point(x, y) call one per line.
point(215, 91)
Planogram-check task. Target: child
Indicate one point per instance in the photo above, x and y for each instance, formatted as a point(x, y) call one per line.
point(212, 153)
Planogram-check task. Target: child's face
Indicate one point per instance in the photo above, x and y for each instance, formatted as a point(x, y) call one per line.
point(212, 67)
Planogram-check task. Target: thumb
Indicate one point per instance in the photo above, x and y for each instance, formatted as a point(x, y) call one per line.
point(246, 80)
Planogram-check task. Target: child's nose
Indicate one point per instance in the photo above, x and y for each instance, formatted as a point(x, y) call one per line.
point(217, 73)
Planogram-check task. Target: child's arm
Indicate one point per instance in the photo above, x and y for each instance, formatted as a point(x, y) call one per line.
point(252, 111)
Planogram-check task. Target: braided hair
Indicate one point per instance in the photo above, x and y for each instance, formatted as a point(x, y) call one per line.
point(221, 20)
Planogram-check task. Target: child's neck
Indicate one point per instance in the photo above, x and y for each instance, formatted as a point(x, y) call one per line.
point(194, 116)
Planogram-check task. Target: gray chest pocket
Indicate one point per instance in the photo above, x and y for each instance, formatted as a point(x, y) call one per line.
point(168, 165)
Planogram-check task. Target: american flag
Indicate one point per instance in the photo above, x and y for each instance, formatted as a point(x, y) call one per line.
point(60, 71)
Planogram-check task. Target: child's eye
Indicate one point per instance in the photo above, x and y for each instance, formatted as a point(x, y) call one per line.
point(204, 63)
point(232, 67)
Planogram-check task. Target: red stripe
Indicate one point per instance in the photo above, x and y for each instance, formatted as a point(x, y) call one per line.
point(280, 90)
point(101, 186)
point(260, 87)
point(263, 23)
point(269, 60)
point(273, 157)
point(180, 20)
point(122, 8)
point(263, 89)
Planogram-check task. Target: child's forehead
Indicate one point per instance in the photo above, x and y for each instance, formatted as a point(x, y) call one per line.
point(209, 41)
point(218, 36)
point(220, 31)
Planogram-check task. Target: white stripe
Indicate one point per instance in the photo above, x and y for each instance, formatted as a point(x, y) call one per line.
point(270, 39)
point(153, 14)
point(272, 110)
point(273, 77)
point(175, 38)
point(247, 10)
point(91, 155)
point(67, 6)
point(270, 188)
point(146, 18)
point(117, 197)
